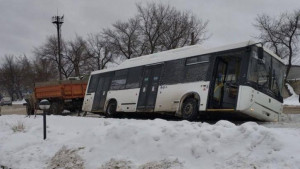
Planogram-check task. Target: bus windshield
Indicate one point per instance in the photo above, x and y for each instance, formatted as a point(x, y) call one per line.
point(267, 73)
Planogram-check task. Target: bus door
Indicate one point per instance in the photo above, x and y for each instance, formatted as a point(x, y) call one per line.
point(101, 92)
point(148, 91)
point(218, 84)
point(225, 83)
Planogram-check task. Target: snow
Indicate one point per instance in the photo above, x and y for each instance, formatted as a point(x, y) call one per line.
point(157, 144)
point(293, 100)
point(19, 102)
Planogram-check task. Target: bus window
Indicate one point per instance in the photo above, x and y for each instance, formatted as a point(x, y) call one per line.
point(93, 83)
point(134, 77)
point(277, 76)
point(173, 72)
point(197, 59)
point(196, 72)
point(267, 73)
point(259, 70)
point(196, 68)
point(119, 80)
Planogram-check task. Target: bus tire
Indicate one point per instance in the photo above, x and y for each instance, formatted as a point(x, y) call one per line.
point(189, 109)
point(111, 110)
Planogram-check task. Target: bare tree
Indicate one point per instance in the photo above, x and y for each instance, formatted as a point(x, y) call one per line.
point(49, 52)
point(153, 18)
point(164, 27)
point(124, 38)
point(26, 73)
point(281, 34)
point(100, 51)
point(156, 27)
point(44, 70)
point(183, 28)
point(11, 77)
point(77, 54)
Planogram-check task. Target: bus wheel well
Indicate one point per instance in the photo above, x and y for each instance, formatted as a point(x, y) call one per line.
point(193, 95)
point(188, 96)
point(110, 101)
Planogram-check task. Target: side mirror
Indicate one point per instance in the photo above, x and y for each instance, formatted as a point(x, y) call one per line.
point(260, 52)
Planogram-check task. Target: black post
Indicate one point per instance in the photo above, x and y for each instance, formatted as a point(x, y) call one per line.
point(44, 105)
point(44, 124)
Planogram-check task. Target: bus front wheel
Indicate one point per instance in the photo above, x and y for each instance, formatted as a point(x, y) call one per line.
point(111, 110)
point(189, 109)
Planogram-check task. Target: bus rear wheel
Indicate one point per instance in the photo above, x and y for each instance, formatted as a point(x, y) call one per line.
point(111, 110)
point(189, 109)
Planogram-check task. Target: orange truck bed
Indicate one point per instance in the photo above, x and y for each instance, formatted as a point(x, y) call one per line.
point(67, 89)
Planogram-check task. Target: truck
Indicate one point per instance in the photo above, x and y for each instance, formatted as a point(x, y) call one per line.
point(62, 95)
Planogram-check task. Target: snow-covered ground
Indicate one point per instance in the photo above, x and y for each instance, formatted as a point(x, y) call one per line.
point(76, 142)
point(293, 100)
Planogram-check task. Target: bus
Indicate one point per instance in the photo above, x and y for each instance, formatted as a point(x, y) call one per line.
point(243, 79)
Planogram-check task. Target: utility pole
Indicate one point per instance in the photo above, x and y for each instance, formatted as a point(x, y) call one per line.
point(192, 38)
point(58, 21)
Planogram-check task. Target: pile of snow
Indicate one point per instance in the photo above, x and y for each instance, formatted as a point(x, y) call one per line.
point(19, 102)
point(293, 100)
point(144, 144)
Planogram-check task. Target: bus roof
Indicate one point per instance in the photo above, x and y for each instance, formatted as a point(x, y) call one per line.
point(184, 52)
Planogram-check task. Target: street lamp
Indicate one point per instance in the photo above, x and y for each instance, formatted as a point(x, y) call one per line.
point(44, 105)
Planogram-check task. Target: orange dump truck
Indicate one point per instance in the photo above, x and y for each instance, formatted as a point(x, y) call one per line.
point(62, 95)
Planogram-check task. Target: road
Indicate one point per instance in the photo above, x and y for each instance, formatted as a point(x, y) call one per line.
point(291, 109)
point(14, 109)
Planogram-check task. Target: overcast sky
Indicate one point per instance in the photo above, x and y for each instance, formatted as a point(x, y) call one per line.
point(25, 24)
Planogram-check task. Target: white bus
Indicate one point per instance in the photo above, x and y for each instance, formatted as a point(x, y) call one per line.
point(244, 79)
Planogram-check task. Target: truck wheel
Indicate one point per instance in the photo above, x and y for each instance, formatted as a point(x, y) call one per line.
point(111, 110)
point(55, 108)
point(189, 109)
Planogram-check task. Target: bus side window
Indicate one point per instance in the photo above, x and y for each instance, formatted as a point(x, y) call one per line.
point(196, 68)
point(134, 77)
point(173, 72)
point(119, 80)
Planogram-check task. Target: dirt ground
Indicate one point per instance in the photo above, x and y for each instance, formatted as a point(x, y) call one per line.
point(14, 109)
point(291, 109)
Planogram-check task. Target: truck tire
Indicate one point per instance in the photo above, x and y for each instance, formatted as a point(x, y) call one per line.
point(56, 108)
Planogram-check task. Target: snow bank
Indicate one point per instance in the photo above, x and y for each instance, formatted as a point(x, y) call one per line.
point(129, 143)
point(293, 100)
point(19, 102)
